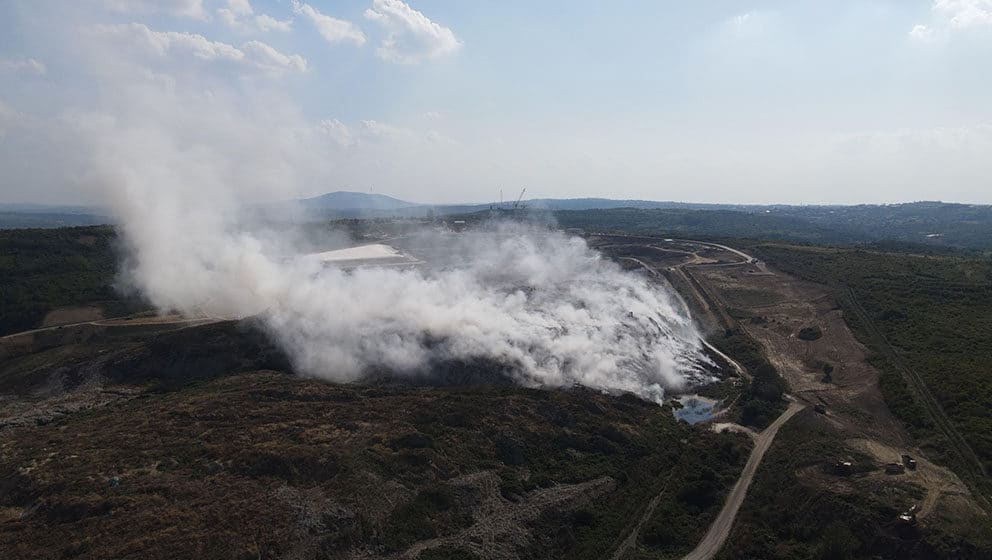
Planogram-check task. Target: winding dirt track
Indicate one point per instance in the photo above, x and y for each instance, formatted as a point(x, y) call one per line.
point(720, 528)
point(124, 321)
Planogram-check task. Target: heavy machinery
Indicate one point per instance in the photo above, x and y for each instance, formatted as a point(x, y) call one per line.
point(517, 204)
point(909, 462)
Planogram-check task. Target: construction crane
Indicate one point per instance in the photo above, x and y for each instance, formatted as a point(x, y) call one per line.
point(519, 198)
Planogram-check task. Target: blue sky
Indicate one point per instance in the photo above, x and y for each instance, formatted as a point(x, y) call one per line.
point(754, 102)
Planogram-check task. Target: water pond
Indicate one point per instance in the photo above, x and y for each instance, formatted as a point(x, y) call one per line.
point(694, 408)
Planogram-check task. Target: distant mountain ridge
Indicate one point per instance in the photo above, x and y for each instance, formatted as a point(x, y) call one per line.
point(26, 215)
point(928, 223)
point(351, 200)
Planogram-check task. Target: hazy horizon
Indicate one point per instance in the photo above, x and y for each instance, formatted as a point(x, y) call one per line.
point(509, 201)
point(759, 102)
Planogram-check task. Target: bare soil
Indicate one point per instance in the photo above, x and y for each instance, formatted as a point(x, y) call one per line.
point(72, 314)
point(783, 306)
point(726, 289)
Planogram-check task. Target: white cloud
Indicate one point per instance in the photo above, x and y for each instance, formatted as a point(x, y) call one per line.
point(268, 57)
point(253, 54)
point(748, 26)
point(921, 32)
point(22, 65)
point(268, 23)
point(436, 137)
point(331, 29)
point(962, 14)
point(238, 14)
point(180, 8)
point(240, 7)
point(337, 131)
point(950, 16)
point(412, 36)
point(372, 133)
point(376, 129)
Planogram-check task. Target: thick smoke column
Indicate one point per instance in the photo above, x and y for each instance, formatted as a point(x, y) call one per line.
point(554, 311)
point(176, 154)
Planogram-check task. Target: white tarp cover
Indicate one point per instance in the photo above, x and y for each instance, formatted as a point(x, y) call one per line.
point(360, 253)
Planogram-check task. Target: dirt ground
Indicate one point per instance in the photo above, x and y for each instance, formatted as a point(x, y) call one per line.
point(778, 307)
point(725, 289)
point(938, 482)
point(73, 314)
point(773, 308)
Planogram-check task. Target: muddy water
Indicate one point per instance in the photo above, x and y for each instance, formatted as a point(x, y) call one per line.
point(695, 408)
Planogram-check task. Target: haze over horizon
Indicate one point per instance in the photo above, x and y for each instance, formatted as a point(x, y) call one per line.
point(756, 102)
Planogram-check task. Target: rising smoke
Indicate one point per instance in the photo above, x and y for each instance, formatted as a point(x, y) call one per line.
point(176, 153)
point(553, 311)
point(556, 312)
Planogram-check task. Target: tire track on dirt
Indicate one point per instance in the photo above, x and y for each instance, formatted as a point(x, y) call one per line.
point(959, 446)
point(720, 528)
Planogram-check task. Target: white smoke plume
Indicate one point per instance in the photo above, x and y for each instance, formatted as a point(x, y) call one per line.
point(548, 306)
point(554, 311)
point(177, 155)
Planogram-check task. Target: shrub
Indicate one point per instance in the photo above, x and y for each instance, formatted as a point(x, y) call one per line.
point(414, 440)
point(810, 333)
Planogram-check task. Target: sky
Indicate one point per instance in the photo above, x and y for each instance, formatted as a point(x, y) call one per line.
point(794, 101)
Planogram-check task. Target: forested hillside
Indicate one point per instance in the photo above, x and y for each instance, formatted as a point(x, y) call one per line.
point(935, 311)
point(935, 225)
point(41, 270)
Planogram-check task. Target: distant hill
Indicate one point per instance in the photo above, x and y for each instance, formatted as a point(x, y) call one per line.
point(935, 224)
point(351, 201)
point(610, 203)
point(346, 203)
point(18, 215)
point(18, 220)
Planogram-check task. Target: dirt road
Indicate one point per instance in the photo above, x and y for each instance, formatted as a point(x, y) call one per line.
point(125, 321)
point(717, 534)
point(747, 258)
point(720, 529)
